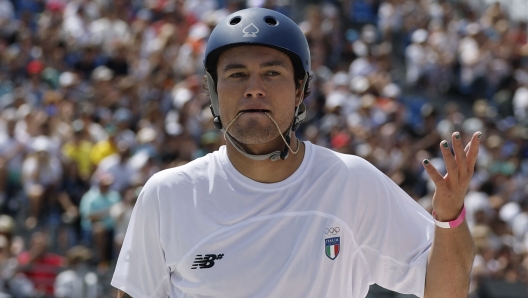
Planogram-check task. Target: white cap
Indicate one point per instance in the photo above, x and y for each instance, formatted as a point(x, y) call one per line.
point(102, 73)
point(340, 79)
point(199, 31)
point(508, 212)
point(66, 79)
point(359, 84)
point(41, 143)
point(419, 36)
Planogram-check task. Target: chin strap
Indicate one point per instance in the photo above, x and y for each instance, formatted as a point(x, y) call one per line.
point(273, 155)
point(299, 115)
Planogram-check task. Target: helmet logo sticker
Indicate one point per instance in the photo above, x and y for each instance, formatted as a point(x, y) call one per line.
point(250, 31)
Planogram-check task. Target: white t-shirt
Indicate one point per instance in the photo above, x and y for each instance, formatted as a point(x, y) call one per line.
point(331, 229)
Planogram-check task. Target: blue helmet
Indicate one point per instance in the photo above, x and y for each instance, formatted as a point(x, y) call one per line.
point(255, 26)
point(258, 26)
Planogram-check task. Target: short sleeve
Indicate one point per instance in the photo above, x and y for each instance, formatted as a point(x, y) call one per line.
point(141, 271)
point(396, 238)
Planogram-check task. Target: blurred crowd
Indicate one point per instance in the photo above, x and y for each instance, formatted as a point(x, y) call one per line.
point(98, 95)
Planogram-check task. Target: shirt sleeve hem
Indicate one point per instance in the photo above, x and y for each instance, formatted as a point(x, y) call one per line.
point(129, 289)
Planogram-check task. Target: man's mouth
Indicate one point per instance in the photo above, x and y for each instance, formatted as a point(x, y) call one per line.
point(254, 111)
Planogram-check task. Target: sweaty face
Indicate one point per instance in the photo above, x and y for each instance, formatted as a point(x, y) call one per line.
point(253, 80)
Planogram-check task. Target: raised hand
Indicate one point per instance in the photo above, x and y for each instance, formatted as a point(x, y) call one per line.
point(451, 188)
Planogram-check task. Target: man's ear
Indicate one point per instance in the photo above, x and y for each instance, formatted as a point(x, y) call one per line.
point(298, 96)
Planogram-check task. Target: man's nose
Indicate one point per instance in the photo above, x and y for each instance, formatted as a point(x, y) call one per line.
point(255, 88)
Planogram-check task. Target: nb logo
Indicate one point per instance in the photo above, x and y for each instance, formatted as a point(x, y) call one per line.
point(206, 261)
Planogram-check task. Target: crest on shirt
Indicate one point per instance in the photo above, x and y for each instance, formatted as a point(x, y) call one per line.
point(332, 247)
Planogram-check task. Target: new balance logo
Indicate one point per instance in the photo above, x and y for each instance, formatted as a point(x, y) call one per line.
point(206, 261)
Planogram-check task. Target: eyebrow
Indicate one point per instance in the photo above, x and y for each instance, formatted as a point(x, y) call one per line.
point(270, 63)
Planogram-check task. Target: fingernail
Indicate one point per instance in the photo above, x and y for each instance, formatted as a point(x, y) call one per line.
point(479, 136)
point(426, 161)
point(457, 136)
point(445, 145)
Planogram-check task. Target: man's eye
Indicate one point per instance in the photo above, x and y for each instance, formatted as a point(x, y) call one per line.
point(273, 73)
point(237, 75)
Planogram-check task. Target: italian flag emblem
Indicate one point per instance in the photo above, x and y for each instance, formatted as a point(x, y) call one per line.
point(332, 247)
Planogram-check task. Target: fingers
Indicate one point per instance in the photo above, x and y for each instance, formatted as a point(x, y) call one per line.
point(460, 166)
point(472, 150)
point(460, 155)
point(450, 162)
point(433, 173)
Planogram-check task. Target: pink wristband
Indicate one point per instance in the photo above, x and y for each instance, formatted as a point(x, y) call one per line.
point(451, 224)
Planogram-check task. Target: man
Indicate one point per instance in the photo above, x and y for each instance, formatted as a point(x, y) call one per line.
point(253, 220)
point(96, 222)
point(39, 265)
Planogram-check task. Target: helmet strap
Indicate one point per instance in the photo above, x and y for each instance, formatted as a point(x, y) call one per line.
point(215, 110)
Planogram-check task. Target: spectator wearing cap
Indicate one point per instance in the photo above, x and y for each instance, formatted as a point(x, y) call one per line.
point(35, 85)
point(78, 150)
point(12, 154)
point(96, 222)
point(365, 65)
point(48, 128)
point(41, 174)
point(70, 85)
point(473, 58)
point(119, 165)
point(340, 100)
point(122, 119)
point(416, 55)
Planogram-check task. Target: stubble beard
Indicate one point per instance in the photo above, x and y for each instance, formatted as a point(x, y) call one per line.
point(254, 133)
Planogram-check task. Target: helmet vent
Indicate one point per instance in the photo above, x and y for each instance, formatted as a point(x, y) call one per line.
point(271, 21)
point(235, 20)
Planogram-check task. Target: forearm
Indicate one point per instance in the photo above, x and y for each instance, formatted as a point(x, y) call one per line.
point(450, 262)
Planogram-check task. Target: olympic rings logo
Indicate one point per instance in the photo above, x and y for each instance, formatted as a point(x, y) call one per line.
point(332, 231)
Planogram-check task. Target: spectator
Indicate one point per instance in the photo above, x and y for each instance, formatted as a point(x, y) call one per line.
point(121, 213)
point(41, 175)
point(78, 151)
point(12, 154)
point(39, 265)
point(96, 222)
point(77, 281)
point(120, 166)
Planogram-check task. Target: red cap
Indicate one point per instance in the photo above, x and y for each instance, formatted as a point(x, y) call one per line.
point(34, 67)
point(340, 140)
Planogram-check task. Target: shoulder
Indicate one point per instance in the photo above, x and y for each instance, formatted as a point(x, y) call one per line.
point(346, 168)
point(197, 171)
point(338, 160)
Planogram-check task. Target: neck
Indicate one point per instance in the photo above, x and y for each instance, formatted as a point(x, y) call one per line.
point(266, 171)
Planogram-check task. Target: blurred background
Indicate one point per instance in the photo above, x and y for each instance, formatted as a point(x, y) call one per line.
point(97, 95)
